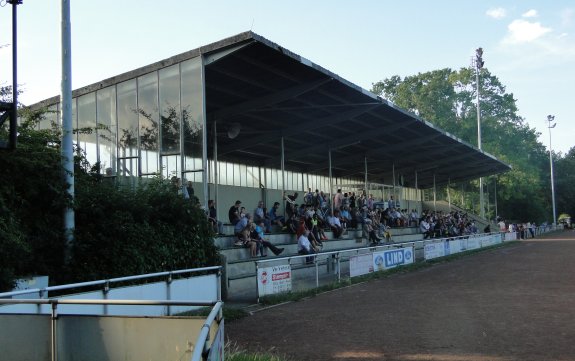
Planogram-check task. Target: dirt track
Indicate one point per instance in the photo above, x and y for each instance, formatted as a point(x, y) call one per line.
point(513, 303)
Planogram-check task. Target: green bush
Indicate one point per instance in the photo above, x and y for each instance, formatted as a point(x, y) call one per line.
point(119, 231)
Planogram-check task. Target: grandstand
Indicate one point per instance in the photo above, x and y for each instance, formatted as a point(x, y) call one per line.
point(244, 118)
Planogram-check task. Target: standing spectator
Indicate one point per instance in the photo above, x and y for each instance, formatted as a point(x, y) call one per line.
point(337, 200)
point(352, 201)
point(290, 204)
point(213, 218)
point(234, 213)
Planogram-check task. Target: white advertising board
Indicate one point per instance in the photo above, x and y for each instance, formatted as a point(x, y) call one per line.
point(360, 264)
point(473, 243)
point(392, 258)
point(456, 245)
point(272, 280)
point(434, 250)
point(510, 236)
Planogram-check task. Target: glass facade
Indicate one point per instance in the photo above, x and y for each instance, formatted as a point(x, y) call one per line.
point(155, 123)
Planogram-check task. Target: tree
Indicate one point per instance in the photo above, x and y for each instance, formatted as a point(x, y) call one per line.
point(119, 231)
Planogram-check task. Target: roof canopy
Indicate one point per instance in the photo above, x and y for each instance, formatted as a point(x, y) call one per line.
point(263, 93)
point(258, 93)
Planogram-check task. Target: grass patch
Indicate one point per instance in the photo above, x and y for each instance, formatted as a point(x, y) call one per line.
point(234, 353)
point(230, 313)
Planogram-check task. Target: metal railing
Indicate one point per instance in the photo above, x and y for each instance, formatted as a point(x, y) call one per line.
point(107, 284)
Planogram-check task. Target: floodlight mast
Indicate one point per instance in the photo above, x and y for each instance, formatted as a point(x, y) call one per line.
point(478, 62)
point(14, 112)
point(551, 118)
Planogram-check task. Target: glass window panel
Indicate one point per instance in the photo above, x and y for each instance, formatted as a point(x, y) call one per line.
point(236, 179)
point(106, 129)
point(148, 114)
point(192, 115)
point(75, 120)
point(49, 118)
point(170, 108)
point(87, 126)
point(127, 110)
point(221, 173)
point(230, 174)
point(171, 166)
point(128, 167)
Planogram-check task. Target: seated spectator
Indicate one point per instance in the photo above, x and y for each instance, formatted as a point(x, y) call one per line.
point(335, 225)
point(274, 218)
point(234, 213)
point(370, 232)
point(302, 228)
point(345, 217)
point(316, 230)
point(304, 246)
point(213, 218)
point(243, 230)
point(258, 236)
point(292, 223)
point(425, 228)
point(261, 216)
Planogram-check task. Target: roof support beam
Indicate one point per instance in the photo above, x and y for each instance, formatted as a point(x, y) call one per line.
point(270, 99)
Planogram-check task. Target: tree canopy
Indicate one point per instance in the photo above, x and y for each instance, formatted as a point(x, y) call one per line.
point(447, 98)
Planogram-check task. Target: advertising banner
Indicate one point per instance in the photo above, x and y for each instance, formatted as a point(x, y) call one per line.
point(456, 245)
point(272, 280)
point(473, 243)
point(485, 241)
point(392, 258)
point(360, 264)
point(434, 250)
point(510, 236)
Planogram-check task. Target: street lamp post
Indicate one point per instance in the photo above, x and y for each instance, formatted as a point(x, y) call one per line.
point(551, 118)
point(478, 61)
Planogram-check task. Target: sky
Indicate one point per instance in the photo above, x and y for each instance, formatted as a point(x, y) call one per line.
point(528, 45)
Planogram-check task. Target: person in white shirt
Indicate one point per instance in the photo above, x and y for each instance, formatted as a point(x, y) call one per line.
point(304, 246)
point(425, 228)
point(335, 224)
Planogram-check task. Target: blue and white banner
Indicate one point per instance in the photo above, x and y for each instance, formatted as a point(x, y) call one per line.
point(435, 250)
point(392, 258)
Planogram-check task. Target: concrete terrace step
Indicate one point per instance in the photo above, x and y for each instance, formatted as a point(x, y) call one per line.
point(239, 266)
